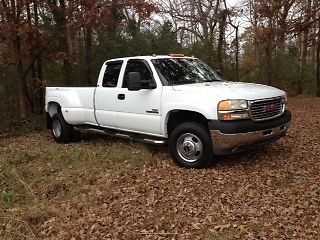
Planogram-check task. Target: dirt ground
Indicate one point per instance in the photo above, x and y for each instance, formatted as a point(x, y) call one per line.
point(102, 188)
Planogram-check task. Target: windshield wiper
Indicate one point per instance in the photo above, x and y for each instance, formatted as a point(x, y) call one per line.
point(183, 82)
point(213, 80)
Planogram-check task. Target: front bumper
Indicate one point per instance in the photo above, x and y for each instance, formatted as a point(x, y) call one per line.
point(231, 137)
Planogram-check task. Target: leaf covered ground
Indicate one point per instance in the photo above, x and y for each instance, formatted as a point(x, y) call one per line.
point(102, 188)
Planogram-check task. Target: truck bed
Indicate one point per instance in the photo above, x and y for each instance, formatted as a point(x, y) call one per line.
point(77, 102)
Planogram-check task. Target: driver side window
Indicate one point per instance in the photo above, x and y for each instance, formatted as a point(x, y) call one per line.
point(141, 67)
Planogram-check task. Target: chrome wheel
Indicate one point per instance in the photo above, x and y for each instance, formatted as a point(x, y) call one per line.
point(189, 147)
point(56, 128)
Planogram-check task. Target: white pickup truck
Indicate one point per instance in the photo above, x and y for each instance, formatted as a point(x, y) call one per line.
point(171, 99)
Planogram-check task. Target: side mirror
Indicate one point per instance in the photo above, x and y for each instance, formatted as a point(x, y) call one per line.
point(134, 81)
point(152, 85)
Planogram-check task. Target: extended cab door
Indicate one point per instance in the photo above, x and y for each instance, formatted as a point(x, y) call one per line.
point(139, 111)
point(106, 95)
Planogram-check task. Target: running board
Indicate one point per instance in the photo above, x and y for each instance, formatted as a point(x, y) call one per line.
point(133, 137)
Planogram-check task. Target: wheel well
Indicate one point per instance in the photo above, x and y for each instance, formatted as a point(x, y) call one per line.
point(53, 108)
point(177, 117)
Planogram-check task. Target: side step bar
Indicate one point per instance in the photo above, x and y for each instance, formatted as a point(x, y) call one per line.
point(114, 133)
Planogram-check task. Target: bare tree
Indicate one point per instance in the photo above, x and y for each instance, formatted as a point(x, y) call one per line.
point(196, 17)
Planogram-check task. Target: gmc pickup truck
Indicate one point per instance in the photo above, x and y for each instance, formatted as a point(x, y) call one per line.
point(173, 100)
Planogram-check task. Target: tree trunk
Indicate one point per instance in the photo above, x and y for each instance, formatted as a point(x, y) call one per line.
point(304, 51)
point(269, 50)
point(222, 28)
point(41, 87)
point(303, 61)
point(318, 60)
point(25, 102)
point(22, 99)
point(39, 73)
point(237, 53)
point(59, 13)
point(23, 109)
point(88, 49)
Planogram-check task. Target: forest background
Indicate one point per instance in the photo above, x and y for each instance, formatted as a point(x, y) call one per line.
point(64, 42)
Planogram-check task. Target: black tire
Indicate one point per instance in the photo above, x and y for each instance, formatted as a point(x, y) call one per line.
point(194, 139)
point(76, 135)
point(60, 129)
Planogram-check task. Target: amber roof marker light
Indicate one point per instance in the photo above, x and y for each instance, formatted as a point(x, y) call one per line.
point(176, 55)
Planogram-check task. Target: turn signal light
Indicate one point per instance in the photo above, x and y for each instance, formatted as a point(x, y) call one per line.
point(224, 106)
point(233, 116)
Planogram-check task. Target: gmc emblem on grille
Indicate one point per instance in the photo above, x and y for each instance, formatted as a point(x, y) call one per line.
point(270, 108)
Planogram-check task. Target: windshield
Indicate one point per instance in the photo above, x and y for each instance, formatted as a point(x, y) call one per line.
point(177, 71)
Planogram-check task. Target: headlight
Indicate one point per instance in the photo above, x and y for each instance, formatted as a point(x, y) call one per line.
point(229, 110)
point(230, 105)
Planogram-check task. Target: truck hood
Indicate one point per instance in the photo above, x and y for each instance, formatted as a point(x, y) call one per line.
point(232, 90)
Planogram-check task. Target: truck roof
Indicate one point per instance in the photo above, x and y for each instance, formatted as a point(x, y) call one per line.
point(150, 57)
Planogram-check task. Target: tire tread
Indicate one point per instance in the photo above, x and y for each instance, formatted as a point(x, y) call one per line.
point(203, 134)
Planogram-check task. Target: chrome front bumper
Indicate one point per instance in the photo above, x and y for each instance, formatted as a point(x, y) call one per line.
point(232, 143)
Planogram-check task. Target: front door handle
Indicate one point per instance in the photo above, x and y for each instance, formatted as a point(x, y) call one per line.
point(121, 96)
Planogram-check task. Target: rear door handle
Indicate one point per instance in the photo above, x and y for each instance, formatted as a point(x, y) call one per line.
point(121, 96)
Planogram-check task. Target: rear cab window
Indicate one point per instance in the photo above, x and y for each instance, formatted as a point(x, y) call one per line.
point(111, 74)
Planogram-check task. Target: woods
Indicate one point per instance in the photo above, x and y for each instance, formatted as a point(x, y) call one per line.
point(103, 187)
point(64, 42)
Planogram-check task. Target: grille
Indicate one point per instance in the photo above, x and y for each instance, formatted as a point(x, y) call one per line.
point(267, 108)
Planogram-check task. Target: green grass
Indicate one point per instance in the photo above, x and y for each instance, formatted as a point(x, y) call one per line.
point(11, 126)
point(37, 174)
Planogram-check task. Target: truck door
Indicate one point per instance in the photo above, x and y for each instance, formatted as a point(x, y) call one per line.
point(139, 111)
point(106, 96)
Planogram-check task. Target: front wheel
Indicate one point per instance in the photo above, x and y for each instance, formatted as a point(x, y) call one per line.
point(191, 146)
